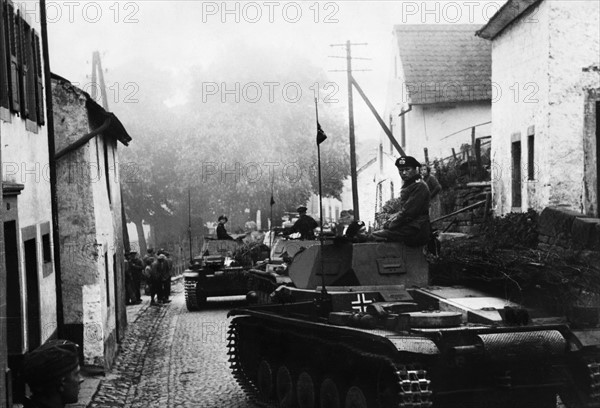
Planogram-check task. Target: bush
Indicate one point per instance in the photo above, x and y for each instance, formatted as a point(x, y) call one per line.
point(514, 230)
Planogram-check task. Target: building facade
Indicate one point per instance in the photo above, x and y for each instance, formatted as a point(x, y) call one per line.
point(90, 219)
point(439, 97)
point(546, 64)
point(29, 280)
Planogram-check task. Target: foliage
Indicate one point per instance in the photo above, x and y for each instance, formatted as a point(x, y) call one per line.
point(250, 253)
point(229, 153)
point(514, 230)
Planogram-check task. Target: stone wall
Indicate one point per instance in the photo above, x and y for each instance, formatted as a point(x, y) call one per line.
point(561, 229)
point(460, 197)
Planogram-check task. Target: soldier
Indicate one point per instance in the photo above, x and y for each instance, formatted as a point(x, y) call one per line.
point(410, 221)
point(52, 372)
point(305, 225)
point(162, 277)
point(221, 231)
point(136, 267)
point(435, 204)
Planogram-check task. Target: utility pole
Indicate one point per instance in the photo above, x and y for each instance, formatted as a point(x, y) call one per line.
point(352, 83)
point(353, 175)
point(97, 67)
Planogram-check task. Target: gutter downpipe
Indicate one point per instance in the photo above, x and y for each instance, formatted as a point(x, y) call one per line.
point(52, 168)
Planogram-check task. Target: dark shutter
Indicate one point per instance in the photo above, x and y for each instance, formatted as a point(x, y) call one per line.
point(4, 60)
point(22, 64)
point(29, 71)
point(39, 80)
point(13, 59)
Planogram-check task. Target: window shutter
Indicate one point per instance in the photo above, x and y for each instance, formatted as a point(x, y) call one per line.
point(29, 72)
point(4, 60)
point(22, 64)
point(14, 64)
point(39, 80)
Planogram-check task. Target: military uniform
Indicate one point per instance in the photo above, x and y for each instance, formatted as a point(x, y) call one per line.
point(305, 225)
point(410, 224)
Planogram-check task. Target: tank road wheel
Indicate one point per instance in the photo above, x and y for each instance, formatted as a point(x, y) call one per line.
point(329, 394)
point(355, 398)
point(264, 380)
point(191, 295)
point(306, 391)
point(284, 386)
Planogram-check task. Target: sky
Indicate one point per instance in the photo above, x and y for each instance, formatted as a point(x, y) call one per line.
point(180, 36)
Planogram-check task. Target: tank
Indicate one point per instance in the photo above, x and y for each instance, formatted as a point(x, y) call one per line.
point(379, 336)
point(209, 274)
point(268, 275)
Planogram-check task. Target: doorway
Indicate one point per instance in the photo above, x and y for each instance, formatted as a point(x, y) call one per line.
point(34, 330)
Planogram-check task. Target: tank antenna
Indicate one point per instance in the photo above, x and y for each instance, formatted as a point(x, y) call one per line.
point(320, 139)
point(271, 219)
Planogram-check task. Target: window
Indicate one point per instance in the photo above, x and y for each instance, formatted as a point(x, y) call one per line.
point(107, 277)
point(379, 196)
point(105, 142)
point(381, 157)
point(21, 86)
point(531, 154)
point(391, 189)
point(46, 248)
point(516, 173)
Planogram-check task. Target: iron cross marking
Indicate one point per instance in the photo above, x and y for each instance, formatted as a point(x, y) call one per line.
point(360, 303)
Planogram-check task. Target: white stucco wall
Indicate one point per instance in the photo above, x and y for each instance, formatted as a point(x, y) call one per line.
point(537, 67)
point(433, 127)
point(25, 160)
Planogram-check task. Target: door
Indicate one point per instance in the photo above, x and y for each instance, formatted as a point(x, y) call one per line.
point(34, 330)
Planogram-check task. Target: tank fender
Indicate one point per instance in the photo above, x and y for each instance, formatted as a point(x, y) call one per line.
point(190, 274)
point(418, 345)
point(584, 338)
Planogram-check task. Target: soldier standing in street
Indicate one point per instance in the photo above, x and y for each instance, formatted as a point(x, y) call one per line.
point(305, 225)
point(136, 267)
point(161, 275)
point(52, 372)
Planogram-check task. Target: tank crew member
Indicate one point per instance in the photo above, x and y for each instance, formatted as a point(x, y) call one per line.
point(221, 231)
point(435, 204)
point(410, 224)
point(52, 372)
point(305, 225)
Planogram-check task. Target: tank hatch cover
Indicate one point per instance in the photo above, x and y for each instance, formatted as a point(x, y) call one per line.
point(435, 319)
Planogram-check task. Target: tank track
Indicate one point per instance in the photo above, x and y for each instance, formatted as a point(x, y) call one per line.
point(593, 365)
point(191, 297)
point(413, 383)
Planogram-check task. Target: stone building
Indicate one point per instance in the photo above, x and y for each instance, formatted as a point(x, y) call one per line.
point(439, 97)
point(90, 219)
point(546, 65)
point(28, 277)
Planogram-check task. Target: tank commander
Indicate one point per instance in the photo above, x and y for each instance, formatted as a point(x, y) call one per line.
point(52, 372)
point(221, 231)
point(305, 225)
point(409, 221)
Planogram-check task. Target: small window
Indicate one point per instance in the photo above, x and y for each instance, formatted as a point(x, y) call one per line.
point(391, 189)
point(530, 158)
point(46, 248)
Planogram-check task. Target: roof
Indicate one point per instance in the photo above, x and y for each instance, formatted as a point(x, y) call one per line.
point(115, 128)
point(444, 63)
point(509, 12)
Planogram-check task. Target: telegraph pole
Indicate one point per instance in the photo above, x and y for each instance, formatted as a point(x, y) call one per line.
point(353, 175)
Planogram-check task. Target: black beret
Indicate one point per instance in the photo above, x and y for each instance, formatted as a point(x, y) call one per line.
point(407, 161)
point(222, 217)
point(301, 209)
point(49, 362)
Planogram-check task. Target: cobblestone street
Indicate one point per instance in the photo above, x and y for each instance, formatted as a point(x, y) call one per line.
point(174, 358)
